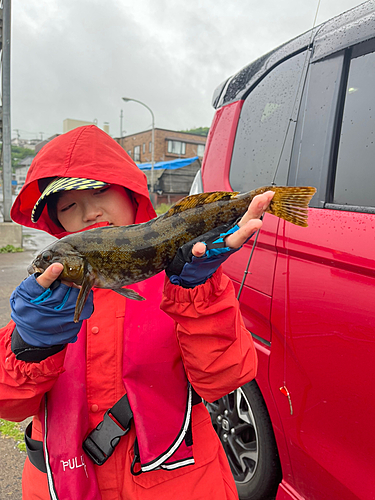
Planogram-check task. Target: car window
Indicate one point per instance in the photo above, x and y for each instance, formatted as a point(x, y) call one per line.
point(315, 132)
point(264, 126)
point(355, 171)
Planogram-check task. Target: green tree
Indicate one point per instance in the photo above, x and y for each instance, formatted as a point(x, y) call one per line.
point(19, 153)
point(198, 131)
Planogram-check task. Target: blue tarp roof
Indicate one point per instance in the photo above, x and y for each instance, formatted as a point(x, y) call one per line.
point(168, 165)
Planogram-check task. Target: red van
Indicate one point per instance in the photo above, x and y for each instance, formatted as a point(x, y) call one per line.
point(304, 114)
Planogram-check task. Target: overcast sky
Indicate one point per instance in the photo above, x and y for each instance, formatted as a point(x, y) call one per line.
point(77, 58)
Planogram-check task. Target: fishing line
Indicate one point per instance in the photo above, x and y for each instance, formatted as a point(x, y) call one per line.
point(303, 75)
point(287, 327)
point(246, 272)
point(291, 120)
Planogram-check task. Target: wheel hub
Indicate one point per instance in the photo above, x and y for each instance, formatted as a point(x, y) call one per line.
point(225, 424)
point(234, 423)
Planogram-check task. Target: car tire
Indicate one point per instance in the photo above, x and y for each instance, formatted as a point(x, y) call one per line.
point(243, 425)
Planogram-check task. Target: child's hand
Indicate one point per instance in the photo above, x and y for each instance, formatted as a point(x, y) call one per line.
point(50, 275)
point(43, 309)
point(190, 269)
point(248, 225)
point(195, 262)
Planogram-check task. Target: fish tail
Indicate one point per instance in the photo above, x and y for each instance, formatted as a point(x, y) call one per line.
point(290, 203)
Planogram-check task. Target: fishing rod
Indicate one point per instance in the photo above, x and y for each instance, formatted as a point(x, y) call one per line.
point(246, 272)
point(291, 120)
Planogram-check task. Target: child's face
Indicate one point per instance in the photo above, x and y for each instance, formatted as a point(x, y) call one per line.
point(77, 210)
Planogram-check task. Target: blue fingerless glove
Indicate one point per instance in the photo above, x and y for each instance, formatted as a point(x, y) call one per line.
point(189, 271)
point(44, 317)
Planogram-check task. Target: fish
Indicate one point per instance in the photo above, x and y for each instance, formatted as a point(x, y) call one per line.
point(113, 257)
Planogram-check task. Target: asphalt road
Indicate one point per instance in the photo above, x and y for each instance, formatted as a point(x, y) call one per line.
point(13, 269)
point(11, 464)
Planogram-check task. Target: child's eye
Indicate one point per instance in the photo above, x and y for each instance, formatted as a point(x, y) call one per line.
point(102, 190)
point(64, 209)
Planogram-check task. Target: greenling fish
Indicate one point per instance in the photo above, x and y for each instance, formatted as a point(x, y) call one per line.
point(113, 257)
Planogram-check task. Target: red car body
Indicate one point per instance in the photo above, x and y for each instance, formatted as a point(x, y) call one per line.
point(309, 296)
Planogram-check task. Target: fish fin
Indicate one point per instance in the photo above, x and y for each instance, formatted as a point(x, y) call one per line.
point(290, 202)
point(128, 293)
point(197, 200)
point(87, 284)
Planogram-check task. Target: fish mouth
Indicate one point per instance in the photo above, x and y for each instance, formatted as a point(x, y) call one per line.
point(33, 269)
point(30, 269)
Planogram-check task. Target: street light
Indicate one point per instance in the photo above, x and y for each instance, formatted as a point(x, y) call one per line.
point(127, 99)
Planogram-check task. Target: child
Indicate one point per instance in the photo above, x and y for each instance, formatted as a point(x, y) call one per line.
point(186, 339)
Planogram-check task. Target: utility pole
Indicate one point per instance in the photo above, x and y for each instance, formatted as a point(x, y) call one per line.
point(17, 130)
point(6, 129)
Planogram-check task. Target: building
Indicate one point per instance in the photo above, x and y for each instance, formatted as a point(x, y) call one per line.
point(70, 124)
point(177, 157)
point(168, 145)
point(40, 144)
point(25, 143)
point(21, 171)
point(172, 179)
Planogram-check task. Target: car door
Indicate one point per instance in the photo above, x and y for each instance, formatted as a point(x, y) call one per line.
point(323, 322)
point(249, 146)
point(260, 155)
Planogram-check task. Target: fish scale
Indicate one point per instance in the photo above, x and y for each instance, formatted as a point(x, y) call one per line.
point(113, 257)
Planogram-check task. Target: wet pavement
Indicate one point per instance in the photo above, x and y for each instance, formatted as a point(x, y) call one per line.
point(35, 240)
point(11, 460)
point(13, 269)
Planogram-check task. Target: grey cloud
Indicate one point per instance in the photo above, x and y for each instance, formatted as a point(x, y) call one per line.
point(77, 58)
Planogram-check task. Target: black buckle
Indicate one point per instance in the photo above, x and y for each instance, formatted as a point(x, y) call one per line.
point(136, 460)
point(101, 442)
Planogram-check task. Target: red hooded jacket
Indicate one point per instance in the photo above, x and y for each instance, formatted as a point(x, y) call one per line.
point(216, 349)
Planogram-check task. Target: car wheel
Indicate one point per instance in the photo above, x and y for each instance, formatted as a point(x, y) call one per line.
point(243, 425)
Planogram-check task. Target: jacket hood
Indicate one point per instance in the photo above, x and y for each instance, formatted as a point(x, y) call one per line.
point(85, 152)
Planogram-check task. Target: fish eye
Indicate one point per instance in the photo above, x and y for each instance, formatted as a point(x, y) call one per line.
point(47, 256)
